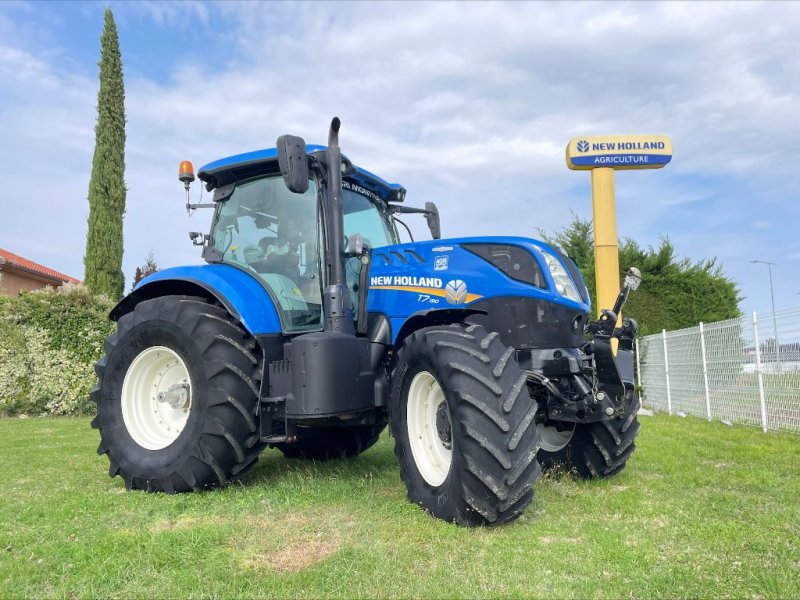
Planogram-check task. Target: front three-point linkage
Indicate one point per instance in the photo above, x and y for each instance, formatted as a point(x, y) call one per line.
point(606, 324)
point(613, 371)
point(594, 435)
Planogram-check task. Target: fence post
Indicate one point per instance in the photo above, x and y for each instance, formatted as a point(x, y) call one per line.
point(666, 371)
point(705, 370)
point(638, 369)
point(760, 374)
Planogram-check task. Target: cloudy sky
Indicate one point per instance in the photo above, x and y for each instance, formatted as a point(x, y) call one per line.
point(469, 105)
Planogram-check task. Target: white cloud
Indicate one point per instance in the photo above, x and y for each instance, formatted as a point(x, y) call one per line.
point(467, 104)
point(20, 64)
point(173, 14)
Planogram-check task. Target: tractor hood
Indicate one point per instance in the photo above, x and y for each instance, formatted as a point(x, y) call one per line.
point(511, 276)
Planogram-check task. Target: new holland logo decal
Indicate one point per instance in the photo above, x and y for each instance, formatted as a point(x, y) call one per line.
point(428, 289)
point(455, 292)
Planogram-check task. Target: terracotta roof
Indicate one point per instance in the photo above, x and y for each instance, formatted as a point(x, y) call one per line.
point(24, 264)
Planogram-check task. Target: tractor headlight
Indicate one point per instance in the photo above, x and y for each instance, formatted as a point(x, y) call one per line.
point(564, 284)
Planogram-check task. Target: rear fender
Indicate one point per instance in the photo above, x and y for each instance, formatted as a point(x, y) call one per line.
point(239, 292)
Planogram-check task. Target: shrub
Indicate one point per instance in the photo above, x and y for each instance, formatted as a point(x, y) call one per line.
point(49, 342)
point(14, 368)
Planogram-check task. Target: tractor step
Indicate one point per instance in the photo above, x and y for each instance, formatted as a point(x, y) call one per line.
point(271, 411)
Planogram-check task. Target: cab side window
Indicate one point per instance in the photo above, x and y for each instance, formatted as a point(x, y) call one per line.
point(273, 233)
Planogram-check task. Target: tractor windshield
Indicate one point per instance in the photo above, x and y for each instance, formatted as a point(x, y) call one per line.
point(369, 218)
point(271, 232)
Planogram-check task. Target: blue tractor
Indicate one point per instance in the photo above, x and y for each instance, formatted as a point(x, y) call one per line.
point(312, 327)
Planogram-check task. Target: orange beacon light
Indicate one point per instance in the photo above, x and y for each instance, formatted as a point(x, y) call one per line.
point(186, 173)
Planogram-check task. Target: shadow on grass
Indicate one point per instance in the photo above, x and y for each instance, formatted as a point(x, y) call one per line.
point(272, 467)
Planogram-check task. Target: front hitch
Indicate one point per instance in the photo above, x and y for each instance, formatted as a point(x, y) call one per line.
point(607, 322)
point(613, 376)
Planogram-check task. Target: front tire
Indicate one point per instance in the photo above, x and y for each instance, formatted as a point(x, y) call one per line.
point(462, 419)
point(592, 450)
point(178, 396)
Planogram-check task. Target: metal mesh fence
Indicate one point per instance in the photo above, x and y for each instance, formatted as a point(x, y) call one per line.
point(744, 370)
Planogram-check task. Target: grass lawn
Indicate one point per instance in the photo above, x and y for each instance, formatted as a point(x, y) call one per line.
point(702, 510)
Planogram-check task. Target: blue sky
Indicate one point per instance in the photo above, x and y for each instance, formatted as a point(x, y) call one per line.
point(469, 105)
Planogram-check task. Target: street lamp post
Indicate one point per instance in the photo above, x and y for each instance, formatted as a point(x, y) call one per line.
point(774, 318)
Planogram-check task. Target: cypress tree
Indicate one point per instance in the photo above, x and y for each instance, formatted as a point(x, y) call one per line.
point(103, 259)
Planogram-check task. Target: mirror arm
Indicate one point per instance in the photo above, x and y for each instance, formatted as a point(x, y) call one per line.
point(409, 210)
point(430, 212)
point(196, 206)
point(395, 219)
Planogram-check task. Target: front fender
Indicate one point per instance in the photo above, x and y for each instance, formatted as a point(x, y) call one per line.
point(239, 292)
point(402, 327)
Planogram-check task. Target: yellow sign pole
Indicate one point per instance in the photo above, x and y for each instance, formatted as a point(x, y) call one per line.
point(606, 251)
point(602, 155)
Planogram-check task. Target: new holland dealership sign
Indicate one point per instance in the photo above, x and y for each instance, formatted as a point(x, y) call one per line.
point(619, 152)
point(602, 155)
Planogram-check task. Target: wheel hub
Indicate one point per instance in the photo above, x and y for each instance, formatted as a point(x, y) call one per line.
point(156, 397)
point(177, 396)
point(430, 431)
point(553, 438)
point(443, 427)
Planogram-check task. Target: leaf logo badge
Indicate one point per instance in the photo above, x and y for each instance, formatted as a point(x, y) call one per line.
point(455, 292)
point(583, 146)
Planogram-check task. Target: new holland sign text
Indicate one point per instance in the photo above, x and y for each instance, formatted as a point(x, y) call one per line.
point(619, 152)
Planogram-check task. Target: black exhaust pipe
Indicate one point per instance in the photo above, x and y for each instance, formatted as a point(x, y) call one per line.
point(337, 303)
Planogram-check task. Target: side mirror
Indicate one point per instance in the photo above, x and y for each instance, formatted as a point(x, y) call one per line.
point(293, 162)
point(633, 278)
point(432, 217)
point(355, 245)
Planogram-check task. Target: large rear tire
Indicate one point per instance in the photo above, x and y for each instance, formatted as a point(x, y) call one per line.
point(462, 419)
point(327, 443)
point(177, 397)
point(591, 450)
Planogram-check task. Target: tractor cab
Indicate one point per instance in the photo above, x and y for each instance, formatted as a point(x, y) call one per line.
point(263, 228)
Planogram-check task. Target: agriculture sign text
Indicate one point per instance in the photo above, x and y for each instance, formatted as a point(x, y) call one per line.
point(619, 152)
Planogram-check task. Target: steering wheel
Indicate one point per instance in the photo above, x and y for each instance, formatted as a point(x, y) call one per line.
point(253, 254)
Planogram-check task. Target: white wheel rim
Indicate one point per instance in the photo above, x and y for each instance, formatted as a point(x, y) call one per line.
point(156, 398)
point(554, 440)
point(431, 454)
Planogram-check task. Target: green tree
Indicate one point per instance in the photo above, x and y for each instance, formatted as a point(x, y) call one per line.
point(149, 267)
point(675, 293)
point(103, 259)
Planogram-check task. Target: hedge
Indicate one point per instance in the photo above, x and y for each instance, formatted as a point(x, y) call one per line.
point(49, 342)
